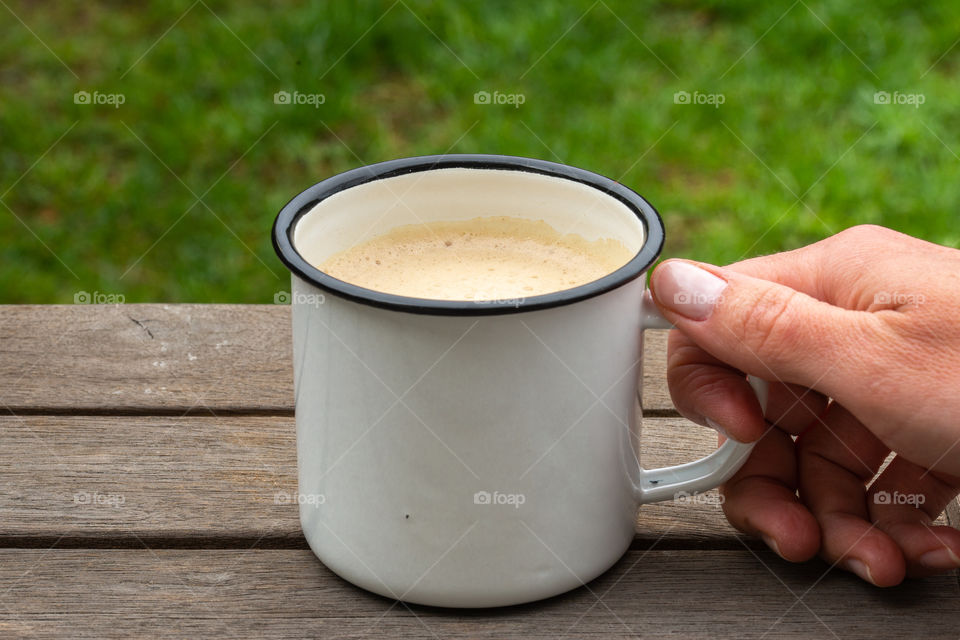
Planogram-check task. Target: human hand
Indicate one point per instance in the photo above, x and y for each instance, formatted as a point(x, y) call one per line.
point(859, 336)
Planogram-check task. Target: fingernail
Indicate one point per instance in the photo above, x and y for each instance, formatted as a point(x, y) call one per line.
point(716, 427)
point(859, 568)
point(940, 559)
point(770, 542)
point(686, 289)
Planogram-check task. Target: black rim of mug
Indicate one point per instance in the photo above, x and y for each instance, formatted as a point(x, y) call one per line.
point(290, 214)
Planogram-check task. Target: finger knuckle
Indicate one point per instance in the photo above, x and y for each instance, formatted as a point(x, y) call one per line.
point(697, 384)
point(865, 233)
point(770, 327)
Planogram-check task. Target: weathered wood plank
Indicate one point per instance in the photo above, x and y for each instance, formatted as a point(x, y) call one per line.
point(195, 478)
point(145, 357)
point(145, 478)
point(288, 594)
point(150, 358)
point(228, 481)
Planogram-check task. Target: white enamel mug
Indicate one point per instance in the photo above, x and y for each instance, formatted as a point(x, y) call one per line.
point(473, 454)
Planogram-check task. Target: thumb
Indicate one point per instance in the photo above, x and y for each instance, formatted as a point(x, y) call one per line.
point(760, 327)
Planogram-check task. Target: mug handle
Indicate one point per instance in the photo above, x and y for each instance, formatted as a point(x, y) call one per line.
point(706, 473)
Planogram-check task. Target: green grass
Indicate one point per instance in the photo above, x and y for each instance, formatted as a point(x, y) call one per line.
point(100, 212)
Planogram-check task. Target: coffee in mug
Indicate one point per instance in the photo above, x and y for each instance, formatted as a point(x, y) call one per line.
point(486, 258)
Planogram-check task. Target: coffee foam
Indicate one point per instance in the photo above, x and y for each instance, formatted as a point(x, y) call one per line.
point(489, 258)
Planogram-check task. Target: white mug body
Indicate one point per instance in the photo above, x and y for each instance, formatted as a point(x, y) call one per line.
point(473, 453)
point(467, 461)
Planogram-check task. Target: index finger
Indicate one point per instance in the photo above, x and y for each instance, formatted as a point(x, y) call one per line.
point(839, 268)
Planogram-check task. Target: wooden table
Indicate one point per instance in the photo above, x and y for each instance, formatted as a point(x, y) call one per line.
point(144, 448)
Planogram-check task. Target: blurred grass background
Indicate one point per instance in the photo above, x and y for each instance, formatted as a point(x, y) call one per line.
point(95, 197)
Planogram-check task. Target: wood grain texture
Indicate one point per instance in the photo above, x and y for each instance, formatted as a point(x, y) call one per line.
point(209, 481)
point(146, 357)
point(228, 480)
point(174, 359)
point(656, 395)
point(148, 460)
point(953, 514)
point(110, 593)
